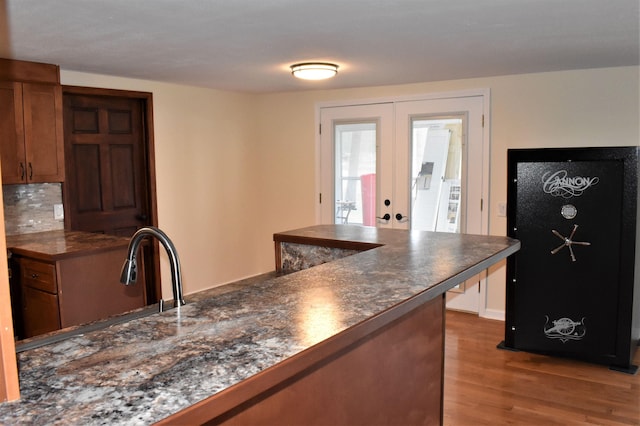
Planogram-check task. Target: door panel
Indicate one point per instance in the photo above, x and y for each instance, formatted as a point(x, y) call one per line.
point(444, 134)
point(356, 171)
point(107, 184)
point(87, 199)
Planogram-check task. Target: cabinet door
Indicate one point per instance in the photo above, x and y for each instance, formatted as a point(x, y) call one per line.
point(39, 312)
point(12, 133)
point(43, 135)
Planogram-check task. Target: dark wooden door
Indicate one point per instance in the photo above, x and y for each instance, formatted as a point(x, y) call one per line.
point(109, 185)
point(105, 153)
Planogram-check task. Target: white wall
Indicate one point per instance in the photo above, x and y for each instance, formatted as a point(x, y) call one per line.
point(235, 168)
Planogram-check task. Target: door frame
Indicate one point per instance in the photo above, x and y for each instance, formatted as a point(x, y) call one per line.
point(154, 288)
point(485, 93)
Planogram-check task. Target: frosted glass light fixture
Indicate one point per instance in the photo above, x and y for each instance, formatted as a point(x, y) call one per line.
point(314, 70)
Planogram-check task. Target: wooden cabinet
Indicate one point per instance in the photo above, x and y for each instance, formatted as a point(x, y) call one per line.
point(74, 290)
point(32, 148)
point(39, 288)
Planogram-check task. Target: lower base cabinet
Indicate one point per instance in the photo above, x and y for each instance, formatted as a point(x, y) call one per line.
point(40, 312)
point(73, 291)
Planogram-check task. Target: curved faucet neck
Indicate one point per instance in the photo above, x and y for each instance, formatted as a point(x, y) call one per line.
point(129, 272)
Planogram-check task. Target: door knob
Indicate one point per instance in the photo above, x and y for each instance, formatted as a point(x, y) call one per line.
point(401, 218)
point(384, 219)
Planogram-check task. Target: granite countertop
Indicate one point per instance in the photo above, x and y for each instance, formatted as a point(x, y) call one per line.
point(54, 245)
point(147, 369)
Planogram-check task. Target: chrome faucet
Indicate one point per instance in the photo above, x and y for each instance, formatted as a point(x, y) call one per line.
point(129, 272)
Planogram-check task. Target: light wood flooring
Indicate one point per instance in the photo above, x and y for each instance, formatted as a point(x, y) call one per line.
point(488, 386)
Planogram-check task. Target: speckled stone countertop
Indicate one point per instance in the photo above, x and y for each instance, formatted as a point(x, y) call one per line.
point(147, 369)
point(53, 245)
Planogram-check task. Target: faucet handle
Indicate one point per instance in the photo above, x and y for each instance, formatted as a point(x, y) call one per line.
point(129, 274)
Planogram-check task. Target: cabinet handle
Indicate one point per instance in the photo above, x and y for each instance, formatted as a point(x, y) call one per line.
point(30, 171)
point(35, 276)
point(21, 171)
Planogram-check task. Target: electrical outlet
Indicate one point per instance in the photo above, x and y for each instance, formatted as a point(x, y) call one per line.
point(58, 212)
point(502, 209)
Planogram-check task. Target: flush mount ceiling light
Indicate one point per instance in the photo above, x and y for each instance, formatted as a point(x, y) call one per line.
point(314, 70)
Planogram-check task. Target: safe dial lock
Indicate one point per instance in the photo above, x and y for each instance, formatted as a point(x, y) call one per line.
point(568, 211)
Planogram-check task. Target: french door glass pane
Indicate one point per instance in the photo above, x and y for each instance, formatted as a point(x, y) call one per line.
point(436, 174)
point(355, 173)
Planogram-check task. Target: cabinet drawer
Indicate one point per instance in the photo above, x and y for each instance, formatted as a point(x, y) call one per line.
point(39, 275)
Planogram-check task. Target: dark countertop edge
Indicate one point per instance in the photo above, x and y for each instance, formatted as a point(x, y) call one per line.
point(26, 249)
point(324, 242)
point(350, 237)
point(48, 257)
point(229, 398)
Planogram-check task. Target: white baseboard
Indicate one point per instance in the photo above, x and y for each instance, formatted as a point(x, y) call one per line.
point(494, 314)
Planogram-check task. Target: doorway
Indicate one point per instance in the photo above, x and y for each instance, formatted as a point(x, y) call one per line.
point(419, 164)
point(109, 156)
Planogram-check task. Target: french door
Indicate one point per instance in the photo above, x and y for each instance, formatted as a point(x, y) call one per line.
point(417, 164)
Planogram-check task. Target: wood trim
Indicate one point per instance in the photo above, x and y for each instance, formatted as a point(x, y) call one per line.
point(278, 254)
point(30, 72)
point(9, 385)
point(322, 242)
point(99, 91)
point(147, 99)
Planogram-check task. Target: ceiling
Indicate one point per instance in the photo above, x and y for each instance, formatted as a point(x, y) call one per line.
point(248, 45)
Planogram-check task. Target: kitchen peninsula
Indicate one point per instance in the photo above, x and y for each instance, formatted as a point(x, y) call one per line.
point(359, 339)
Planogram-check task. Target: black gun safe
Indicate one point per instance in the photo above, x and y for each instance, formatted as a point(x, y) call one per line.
point(573, 289)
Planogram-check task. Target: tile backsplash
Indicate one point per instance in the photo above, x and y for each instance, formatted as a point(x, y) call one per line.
point(29, 208)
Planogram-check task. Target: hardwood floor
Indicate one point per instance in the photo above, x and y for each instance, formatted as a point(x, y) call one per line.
point(488, 386)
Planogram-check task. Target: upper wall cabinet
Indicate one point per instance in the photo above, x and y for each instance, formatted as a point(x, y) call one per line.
point(32, 148)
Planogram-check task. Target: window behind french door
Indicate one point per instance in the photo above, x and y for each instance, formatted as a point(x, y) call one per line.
point(407, 164)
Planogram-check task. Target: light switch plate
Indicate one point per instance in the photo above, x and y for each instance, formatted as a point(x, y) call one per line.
point(58, 212)
point(502, 209)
